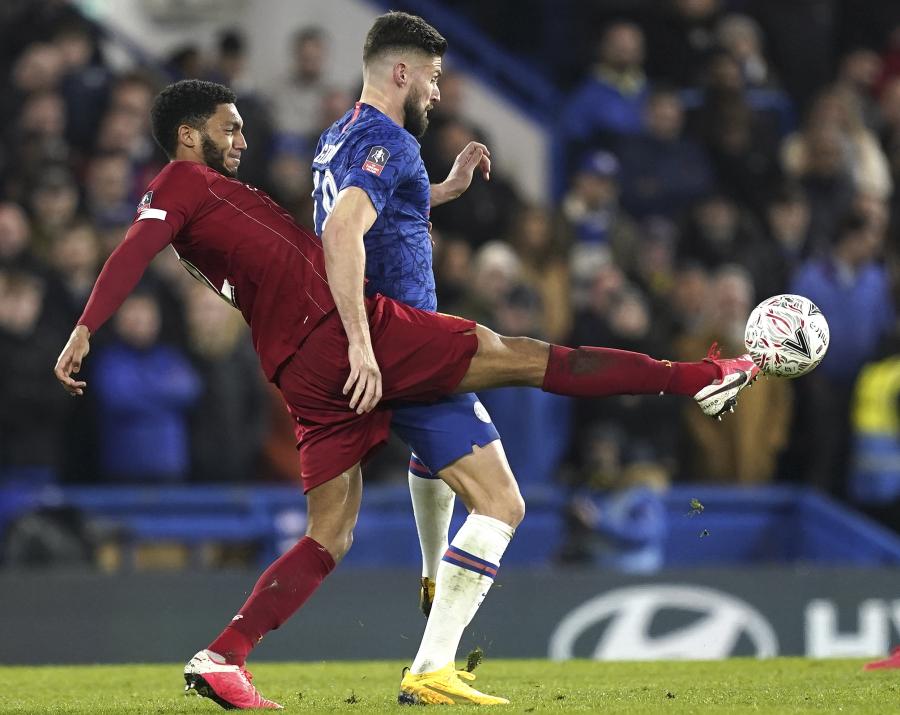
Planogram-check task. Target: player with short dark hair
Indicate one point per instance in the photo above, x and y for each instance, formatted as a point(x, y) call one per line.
point(191, 102)
point(338, 387)
point(373, 197)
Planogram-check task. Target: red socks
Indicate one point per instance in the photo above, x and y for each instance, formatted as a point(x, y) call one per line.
point(278, 593)
point(600, 372)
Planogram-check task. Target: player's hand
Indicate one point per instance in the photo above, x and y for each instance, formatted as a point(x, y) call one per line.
point(69, 361)
point(364, 380)
point(474, 156)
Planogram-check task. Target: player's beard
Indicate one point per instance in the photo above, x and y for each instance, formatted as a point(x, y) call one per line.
point(214, 157)
point(415, 118)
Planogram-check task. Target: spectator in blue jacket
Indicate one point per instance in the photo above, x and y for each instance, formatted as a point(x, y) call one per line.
point(144, 391)
point(663, 171)
point(610, 102)
point(851, 288)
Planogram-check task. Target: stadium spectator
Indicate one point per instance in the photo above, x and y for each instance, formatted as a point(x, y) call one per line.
point(874, 478)
point(452, 271)
point(485, 211)
point(74, 253)
point(593, 212)
point(787, 221)
point(229, 67)
point(496, 272)
point(109, 189)
point(289, 179)
point(186, 61)
point(611, 101)
point(38, 139)
point(32, 415)
point(681, 36)
point(296, 95)
point(744, 447)
point(229, 419)
point(742, 144)
point(835, 146)
point(145, 390)
point(851, 288)
point(688, 303)
point(719, 232)
point(540, 244)
point(626, 324)
point(85, 82)
point(15, 237)
point(858, 73)
point(663, 171)
point(53, 204)
point(451, 107)
point(617, 521)
point(741, 37)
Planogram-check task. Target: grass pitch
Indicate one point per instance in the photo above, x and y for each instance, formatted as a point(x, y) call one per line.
point(781, 685)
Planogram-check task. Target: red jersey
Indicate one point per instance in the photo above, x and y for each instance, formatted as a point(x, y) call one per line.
point(244, 246)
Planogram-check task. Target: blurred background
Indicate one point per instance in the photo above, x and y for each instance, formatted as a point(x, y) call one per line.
point(659, 167)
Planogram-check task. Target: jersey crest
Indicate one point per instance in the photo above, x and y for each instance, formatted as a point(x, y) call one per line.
point(376, 160)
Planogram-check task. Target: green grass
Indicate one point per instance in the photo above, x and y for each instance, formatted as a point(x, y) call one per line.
point(782, 685)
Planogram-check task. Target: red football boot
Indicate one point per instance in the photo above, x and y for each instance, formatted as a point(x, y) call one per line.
point(230, 686)
point(721, 394)
point(892, 661)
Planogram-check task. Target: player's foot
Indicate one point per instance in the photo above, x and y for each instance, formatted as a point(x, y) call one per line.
point(230, 686)
point(892, 661)
point(443, 687)
point(721, 395)
point(426, 595)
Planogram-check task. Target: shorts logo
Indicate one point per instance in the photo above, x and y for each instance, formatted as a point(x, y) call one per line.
point(376, 160)
point(145, 202)
point(482, 414)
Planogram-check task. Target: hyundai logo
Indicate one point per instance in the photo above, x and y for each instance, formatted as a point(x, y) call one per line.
point(625, 617)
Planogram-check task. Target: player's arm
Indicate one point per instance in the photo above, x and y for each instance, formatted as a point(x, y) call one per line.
point(120, 274)
point(474, 156)
point(345, 262)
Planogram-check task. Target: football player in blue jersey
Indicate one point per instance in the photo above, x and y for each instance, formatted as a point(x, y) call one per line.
point(372, 201)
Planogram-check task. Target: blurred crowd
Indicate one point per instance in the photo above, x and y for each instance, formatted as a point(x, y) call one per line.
point(691, 189)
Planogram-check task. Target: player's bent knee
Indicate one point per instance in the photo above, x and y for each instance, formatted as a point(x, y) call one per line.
point(516, 511)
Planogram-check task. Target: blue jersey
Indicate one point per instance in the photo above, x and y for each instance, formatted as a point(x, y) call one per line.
point(367, 149)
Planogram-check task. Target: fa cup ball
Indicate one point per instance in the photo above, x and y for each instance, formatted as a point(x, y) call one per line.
point(786, 335)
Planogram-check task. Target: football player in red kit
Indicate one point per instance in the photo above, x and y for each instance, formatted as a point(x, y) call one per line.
point(338, 366)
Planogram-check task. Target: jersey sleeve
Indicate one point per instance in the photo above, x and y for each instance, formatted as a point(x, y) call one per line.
point(174, 197)
point(122, 271)
point(378, 166)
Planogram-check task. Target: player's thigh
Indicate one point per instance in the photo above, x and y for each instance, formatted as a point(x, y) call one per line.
point(439, 433)
point(502, 361)
point(485, 482)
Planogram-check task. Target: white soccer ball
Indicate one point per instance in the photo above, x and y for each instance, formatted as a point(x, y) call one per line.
point(786, 335)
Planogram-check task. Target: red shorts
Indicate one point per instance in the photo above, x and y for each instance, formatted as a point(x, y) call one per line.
point(422, 356)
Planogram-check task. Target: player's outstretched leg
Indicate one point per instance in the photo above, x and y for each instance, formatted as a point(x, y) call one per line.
point(432, 501)
point(217, 672)
point(486, 485)
point(600, 372)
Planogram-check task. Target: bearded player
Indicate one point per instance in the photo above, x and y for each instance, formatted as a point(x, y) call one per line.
point(373, 196)
point(339, 359)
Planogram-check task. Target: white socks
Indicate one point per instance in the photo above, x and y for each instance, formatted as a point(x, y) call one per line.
point(464, 577)
point(432, 502)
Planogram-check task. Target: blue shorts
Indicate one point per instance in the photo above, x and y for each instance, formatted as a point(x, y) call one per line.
point(442, 432)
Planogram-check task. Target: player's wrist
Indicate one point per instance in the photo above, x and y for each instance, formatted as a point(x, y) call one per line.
point(82, 331)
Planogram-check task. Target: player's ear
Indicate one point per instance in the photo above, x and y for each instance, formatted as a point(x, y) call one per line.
point(187, 135)
point(401, 74)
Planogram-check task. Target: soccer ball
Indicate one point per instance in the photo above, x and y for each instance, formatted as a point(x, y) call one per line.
point(786, 335)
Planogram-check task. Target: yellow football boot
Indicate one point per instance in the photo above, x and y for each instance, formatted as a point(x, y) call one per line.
point(426, 595)
point(443, 687)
